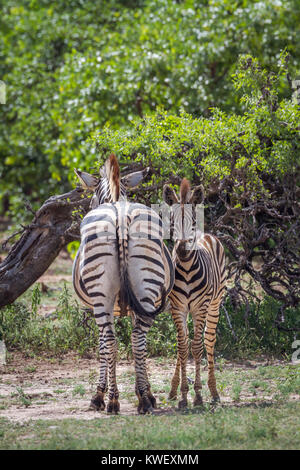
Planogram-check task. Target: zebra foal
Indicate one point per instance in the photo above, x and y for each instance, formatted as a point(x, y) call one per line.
point(198, 289)
point(122, 267)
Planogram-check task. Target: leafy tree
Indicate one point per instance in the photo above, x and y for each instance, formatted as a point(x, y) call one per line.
point(71, 67)
point(250, 168)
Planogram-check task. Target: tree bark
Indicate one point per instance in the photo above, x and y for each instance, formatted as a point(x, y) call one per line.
point(54, 225)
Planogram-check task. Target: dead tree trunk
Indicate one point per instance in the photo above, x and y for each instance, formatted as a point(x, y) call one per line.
point(54, 225)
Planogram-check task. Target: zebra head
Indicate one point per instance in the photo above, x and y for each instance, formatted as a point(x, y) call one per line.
point(183, 215)
point(109, 186)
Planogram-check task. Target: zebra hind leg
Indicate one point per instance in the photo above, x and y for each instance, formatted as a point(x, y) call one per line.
point(146, 399)
point(97, 402)
point(113, 405)
point(108, 359)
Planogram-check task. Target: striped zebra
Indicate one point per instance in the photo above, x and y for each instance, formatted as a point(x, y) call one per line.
point(198, 289)
point(122, 268)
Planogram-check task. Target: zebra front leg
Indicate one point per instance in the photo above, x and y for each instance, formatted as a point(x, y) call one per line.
point(183, 350)
point(175, 380)
point(142, 388)
point(197, 351)
point(209, 341)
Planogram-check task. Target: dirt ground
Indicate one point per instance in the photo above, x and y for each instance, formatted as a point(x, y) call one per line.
point(50, 389)
point(58, 389)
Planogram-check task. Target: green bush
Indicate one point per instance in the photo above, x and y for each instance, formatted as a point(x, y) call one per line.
point(69, 329)
point(73, 329)
point(248, 165)
point(253, 331)
point(248, 146)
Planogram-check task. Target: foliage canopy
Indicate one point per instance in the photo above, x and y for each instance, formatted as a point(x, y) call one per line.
point(71, 67)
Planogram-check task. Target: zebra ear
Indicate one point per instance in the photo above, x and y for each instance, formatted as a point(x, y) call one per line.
point(133, 179)
point(87, 181)
point(169, 195)
point(197, 196)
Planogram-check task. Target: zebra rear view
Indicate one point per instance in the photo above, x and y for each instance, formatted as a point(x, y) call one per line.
point(121, 268)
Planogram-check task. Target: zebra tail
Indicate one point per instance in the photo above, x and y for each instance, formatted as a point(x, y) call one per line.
point(137, 306)
point(127, 297)
point(122, 242)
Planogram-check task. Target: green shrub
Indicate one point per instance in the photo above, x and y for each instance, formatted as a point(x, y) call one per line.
point(71, 328)
point(68, 330)
point(254, 332)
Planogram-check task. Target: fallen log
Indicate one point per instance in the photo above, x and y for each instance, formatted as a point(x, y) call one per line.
point(54, 225)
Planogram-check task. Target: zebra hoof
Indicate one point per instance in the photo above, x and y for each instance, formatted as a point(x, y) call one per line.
point(198, 401)
point(146, 411)
point(97, 402)
point(113, 407)
point(145, 406)
point(182, 404)
point(153, 401)
point(96, 406)
point(215, 400)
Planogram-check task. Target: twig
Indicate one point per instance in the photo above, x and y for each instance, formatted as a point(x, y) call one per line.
point(3, 246)
point(229, 322)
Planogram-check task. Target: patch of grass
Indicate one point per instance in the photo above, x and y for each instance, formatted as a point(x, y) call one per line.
point(70, 330)
point(291, 382)
point(30, 369)
point(251, 427)
point(236, 392)
point(93, 376)
point(79, 390)
point(254, 333)
point(23, 398)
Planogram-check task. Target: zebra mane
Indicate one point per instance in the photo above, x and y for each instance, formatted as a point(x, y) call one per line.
point(110, 179)
point(185, 191)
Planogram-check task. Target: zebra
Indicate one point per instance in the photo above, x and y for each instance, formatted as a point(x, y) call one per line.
point(122, 267)
point(198, 289)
